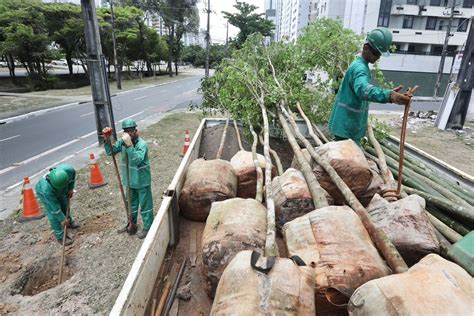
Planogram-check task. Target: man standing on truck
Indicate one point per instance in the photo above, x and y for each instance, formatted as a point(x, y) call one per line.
point(55, 190)
point(351, 109)
point(135, 150)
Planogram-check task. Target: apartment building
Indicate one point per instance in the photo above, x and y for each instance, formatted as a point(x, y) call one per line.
point(271, 11)
point(291, 17)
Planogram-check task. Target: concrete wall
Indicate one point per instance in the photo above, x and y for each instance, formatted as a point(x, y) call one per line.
point(415, 63)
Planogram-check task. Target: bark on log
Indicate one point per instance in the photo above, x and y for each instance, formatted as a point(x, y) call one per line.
point(382, 163)
point(275, 156)
point(320, 133)
point(308, 124)
point(259, 194)
point(317, 193)
point(237, 133)
point(385, 246)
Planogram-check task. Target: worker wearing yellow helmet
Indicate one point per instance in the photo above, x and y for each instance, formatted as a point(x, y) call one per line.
point(350, 111)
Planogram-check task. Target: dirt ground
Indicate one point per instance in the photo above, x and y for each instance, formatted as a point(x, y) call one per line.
point(100, 258)
point(453, 147)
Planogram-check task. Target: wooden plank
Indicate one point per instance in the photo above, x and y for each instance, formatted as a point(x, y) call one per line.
point(192, 247)
point(138, 287)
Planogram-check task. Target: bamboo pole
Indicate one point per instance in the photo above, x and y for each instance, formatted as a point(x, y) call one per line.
point(383, 243)
point(275, 157)
point(221, 145)
point(258, 168)
point(460, 228)
point(444, 204)
point(447, 232)
point(308, 124)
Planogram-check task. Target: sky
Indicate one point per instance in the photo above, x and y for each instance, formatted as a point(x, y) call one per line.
point(218, 22)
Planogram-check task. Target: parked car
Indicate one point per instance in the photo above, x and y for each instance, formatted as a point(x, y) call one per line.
point(61, 62)
point(3, 64)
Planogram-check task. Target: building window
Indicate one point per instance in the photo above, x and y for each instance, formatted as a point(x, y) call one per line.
point(462, 26)
point(412, 1)
point(441, 25)
point(408, 22)
point(431, 23)
point(384, 13)
point(468, 4)
point(435, 3)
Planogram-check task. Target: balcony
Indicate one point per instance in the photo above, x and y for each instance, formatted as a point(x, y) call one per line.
point(427, 37)
point(405, 9)
point(445, 12)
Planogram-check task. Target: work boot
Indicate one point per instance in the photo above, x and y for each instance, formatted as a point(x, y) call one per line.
point(74, 225)
point(130, 231)
point(142, 234)
point(68, 242)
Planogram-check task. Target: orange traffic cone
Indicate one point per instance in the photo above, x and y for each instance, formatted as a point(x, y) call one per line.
point(186, 142)
point(31, 209)
point(96, 179)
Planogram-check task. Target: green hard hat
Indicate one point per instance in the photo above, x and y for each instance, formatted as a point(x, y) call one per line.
point(380, 39)
point(128, 123)
point(58, 178)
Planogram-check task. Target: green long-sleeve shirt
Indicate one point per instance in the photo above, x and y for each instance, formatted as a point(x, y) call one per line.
point(139, 164)
point(56, 200)
point(351, 109)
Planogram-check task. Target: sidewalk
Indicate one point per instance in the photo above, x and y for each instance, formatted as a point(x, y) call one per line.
point(14, 104)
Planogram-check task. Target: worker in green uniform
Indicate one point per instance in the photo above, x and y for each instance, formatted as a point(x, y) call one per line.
point(140, 178)
point(55, 190)
point(351, 109)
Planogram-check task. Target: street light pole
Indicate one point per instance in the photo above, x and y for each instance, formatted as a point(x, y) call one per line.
point(117, 69)
point(208, 36)
point(445, 49)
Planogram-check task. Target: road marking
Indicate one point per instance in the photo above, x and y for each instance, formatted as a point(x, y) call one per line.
point(21, 163)
point(130, 116)
point(87, 114)
point(5, 139)
point(142, 97)
point(189, 91)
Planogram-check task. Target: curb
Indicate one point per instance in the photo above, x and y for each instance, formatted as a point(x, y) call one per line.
point(39, 112)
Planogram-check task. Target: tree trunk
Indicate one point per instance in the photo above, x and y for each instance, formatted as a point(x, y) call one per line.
point(270, 245)
point(69, 63)
point(258, 168)
point(237, 133)
point(170, 50)
point(275, 157)
point(308, 124)
point(11, 67)
point(320, 133)
point(317, 193)
point(385, 246)
point(176, 66)
point(221, 145)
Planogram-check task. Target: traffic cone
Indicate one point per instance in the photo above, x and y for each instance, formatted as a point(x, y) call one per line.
point(186, 143)
point(96, 179)
point(31, 208)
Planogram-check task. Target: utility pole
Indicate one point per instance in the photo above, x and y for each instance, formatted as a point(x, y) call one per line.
point(208, 36)
point(227, 38)
point(117, 68)
point(445, 49)
point(97, 74)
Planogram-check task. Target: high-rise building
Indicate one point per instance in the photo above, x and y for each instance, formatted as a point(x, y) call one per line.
point(271, 15)
point(291, 17)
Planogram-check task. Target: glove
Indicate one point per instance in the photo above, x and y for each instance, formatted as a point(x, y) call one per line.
point(107, 132)
point(397, 89)
point(399, 98)
point(65, 222)
point(127, 140)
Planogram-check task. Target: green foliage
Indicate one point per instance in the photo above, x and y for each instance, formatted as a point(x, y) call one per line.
point(248, 22)
point(196, 55)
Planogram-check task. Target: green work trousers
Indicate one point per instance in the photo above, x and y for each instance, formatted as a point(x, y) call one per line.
point(55, 223)
point(142, 197)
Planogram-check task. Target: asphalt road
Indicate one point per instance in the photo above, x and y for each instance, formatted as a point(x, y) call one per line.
point(31, 144)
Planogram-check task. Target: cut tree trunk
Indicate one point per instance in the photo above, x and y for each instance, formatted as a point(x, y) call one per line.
point(237, 133)
point(308, 124)
point(385, 246)
point(259, 194)
point(275, 157)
